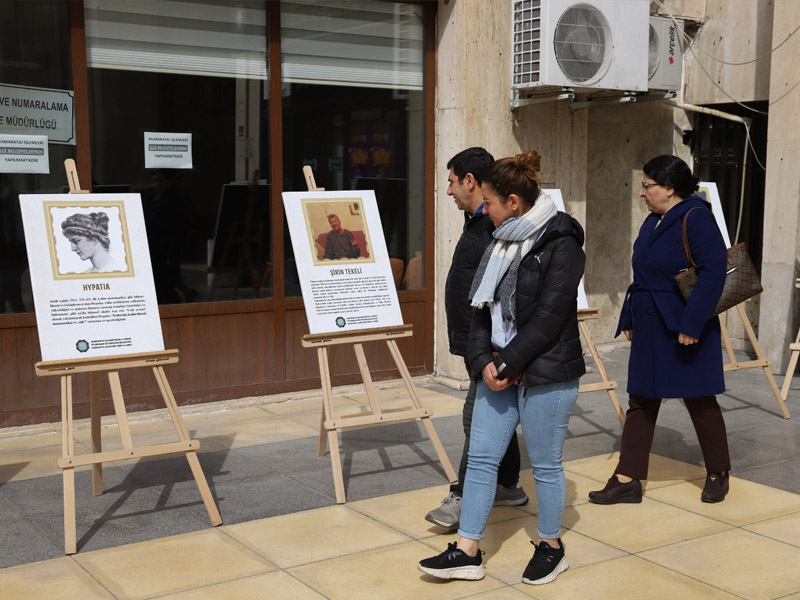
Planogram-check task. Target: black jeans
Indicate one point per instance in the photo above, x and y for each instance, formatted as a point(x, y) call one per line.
point(508, 472)
point(640, 425)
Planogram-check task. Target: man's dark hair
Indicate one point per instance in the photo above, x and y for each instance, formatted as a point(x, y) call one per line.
point(472, 160)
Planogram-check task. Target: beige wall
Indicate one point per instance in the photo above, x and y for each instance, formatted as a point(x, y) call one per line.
point(778, 317)
point(595, 155)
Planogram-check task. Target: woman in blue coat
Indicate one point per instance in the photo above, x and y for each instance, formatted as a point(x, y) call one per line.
point(675, 344)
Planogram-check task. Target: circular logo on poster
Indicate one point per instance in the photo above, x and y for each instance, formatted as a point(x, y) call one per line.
point(340, 322)
point(82, 346)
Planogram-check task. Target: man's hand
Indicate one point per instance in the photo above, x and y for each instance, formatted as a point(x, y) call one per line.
point(686, 340)
point(628, 334)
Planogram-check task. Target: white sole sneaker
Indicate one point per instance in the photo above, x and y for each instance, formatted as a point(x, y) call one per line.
point(469, 573)
point(560, 568)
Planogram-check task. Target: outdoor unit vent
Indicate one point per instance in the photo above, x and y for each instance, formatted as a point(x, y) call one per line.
point(599, 44)
point(666, 56)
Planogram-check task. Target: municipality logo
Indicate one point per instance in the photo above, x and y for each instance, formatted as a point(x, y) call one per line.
point(340, 322)
point(82, 346)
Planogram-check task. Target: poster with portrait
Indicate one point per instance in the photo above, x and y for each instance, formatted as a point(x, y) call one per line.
point(555, 196)
point(709, 191)
point(342, 261)
point(91, 275)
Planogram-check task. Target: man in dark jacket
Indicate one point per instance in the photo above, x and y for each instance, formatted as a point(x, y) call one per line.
point(466, 171)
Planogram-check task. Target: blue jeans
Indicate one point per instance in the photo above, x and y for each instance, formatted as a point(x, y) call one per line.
point(544, 412)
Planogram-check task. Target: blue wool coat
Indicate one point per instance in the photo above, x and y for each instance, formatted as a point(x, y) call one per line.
point(655, 311)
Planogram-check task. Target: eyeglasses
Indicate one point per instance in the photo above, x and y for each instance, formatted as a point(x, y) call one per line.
point(647, 186)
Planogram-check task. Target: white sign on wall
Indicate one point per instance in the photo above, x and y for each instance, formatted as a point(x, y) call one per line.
point(91, 275)
point(555, 196)
point(24, 154)
point(342, 261)
point(167, 150)
point(709, 191)
point(38, 111)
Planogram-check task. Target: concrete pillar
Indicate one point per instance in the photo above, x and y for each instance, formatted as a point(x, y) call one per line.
point(777, 322)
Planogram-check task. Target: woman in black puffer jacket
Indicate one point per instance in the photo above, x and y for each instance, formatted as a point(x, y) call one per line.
point(525, 343)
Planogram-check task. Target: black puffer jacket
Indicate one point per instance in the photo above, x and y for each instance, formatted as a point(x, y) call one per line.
point(467, 256)
point(547, 347)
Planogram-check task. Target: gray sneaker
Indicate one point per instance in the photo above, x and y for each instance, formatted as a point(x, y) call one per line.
point(510, 496)
point(448, 514)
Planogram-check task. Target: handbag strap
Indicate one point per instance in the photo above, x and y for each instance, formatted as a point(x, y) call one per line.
point(686, 237)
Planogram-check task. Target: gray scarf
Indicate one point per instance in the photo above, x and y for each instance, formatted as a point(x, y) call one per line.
point(496, 277)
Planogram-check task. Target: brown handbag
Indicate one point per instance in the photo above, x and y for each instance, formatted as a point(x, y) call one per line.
point(741, 282)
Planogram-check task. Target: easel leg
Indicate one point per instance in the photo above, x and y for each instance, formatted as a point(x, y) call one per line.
point(361, 359)
point(68, 451)
point(96, 388)
point(333, 438)
point(787, 380)
point(767, 370)
point(426, 421)
point(191, 455)
point(612, 394)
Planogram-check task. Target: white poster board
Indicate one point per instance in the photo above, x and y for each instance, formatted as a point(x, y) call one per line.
point(167, 150)
point(555, 196)
point(708, 190)
point(24, 154)
point(347, 281)
point(91, 275)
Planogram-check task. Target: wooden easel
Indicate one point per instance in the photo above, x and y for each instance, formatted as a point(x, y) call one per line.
point(111, 365)
point(761, 361)
point(330, 425)
point(606, 384)
point(242, 239)
point(794, 354)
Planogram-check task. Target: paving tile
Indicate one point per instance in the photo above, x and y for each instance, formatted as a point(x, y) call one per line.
point(508, 549)
point(747, 502)
point(392, 569)
point(57, 578)
point(740, 562)
point(638, 527)
point(785, 529)
point(252, 432)
point(31, 463)
point(171, 565)
point(629, 577)
point(406, 512)
point(663, 471)
point(269, 585)
point(312, 536)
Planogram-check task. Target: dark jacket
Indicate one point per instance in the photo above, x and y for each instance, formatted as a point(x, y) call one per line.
point(474, 239)
point(660, 367)
point(547, 347)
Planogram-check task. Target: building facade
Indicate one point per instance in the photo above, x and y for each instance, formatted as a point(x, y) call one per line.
point(375, 95)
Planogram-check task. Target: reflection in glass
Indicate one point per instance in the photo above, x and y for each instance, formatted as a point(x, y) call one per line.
point(196, 68)
point(353, 109)
point(34, 53)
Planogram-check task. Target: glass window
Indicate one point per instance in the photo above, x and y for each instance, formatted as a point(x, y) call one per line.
point(35, 64)
point(353, 109)
point(187, 68)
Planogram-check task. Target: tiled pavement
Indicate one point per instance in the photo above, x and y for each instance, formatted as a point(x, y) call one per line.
point(283, 535)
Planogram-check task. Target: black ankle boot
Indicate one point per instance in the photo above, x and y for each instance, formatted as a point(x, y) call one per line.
point(617, 492)
point(716, 487)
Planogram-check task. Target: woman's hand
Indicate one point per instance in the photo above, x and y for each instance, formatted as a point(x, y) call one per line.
point(686, 340)
point(628, 334)
point(490, 377)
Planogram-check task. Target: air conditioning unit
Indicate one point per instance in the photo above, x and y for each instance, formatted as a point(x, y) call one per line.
point(597, 44)
point(666, 54)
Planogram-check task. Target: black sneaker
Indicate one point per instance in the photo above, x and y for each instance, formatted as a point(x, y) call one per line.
point(616, 492)
point(454, 564)
point(545, 565)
